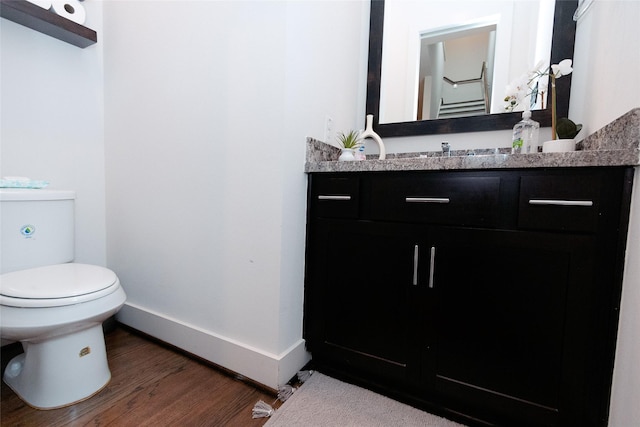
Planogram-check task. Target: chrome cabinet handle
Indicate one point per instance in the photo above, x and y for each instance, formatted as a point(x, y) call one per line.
point(427, 200)
point(416, 255)
point(333, 197)
point(561, 202)
point(432, 266)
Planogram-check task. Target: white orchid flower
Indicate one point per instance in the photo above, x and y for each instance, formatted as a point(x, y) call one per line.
point(516, 91)
point(535, 82)
point(562, 69)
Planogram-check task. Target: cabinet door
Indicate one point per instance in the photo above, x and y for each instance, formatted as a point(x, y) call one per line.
point(500, 326)
point(360, 315)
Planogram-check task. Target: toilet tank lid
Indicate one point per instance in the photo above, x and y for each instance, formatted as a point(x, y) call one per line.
point(31, 194)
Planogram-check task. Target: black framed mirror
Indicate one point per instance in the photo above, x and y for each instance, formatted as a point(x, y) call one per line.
point(562, 45)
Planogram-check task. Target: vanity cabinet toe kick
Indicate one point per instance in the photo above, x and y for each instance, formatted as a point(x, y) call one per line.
point(489, 297)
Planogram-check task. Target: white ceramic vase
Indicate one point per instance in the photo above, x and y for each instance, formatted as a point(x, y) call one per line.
point(369, 133)
point(559, 146)
point(347, 155)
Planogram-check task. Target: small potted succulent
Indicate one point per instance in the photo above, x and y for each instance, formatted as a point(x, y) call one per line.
point(567, 129)
point(349, 142)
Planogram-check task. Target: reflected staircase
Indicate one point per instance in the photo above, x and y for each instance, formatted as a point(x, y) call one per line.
point(462, 109)
point(472, 107)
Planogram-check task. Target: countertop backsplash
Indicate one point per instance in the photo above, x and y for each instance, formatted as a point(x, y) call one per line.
point(616, 144)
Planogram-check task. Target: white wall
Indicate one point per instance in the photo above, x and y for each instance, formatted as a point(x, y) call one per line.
point(207, 107)
point(605, 85)
point(51, 123)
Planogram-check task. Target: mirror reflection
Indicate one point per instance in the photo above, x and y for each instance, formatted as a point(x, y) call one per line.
point(455, 73)
point(438, 56)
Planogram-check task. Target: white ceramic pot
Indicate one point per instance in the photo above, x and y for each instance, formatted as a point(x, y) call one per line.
point(347, 155)
point(559, 146)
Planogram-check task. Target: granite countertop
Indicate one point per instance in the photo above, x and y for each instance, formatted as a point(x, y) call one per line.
point(616, 144)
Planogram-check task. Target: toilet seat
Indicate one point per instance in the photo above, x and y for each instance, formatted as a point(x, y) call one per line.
point(56, 285)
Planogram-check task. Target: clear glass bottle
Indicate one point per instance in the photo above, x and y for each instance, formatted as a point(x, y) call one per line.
point(525, 135)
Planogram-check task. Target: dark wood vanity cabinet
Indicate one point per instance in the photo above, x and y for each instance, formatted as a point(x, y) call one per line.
point(366, 320)
point(490, 297)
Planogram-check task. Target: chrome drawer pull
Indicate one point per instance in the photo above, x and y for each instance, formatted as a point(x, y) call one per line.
point(432, 266)
point(427, 200)
point(324, 197)
point(561, 202)
point(416, 254)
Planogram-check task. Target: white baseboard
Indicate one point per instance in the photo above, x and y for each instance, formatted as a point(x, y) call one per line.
point(266, 368)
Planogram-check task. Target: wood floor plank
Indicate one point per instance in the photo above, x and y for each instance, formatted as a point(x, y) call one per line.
point(151, 385)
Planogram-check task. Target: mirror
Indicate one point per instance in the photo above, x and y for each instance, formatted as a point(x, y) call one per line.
point(402, 120)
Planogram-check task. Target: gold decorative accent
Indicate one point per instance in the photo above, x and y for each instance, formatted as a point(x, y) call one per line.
point(85, 351)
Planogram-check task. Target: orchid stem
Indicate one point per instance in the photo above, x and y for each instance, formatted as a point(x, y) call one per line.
point(553, 106)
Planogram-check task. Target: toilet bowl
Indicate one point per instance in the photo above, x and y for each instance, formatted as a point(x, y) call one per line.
point(53, 306)
point(56, 312)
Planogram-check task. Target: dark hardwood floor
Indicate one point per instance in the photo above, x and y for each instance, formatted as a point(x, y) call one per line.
point(151, 385)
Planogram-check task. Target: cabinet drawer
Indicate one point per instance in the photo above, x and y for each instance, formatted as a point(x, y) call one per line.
point(568, 202)
point(335, 196)
point(438, 199)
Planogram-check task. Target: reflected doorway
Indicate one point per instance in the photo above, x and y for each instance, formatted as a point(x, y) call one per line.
point(456, 71)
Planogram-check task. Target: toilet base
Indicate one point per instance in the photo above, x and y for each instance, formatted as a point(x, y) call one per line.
point(60, 371)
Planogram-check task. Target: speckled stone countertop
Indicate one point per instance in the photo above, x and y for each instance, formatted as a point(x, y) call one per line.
point(616, 144)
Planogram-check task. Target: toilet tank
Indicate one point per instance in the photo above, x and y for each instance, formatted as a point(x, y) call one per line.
point(36, 228)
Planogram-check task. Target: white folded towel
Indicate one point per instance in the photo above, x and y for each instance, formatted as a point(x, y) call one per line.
point(21, 182)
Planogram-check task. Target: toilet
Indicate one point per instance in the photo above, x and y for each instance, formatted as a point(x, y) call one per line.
point(53, 306)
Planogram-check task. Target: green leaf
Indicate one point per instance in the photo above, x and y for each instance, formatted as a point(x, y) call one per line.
point(350, 140)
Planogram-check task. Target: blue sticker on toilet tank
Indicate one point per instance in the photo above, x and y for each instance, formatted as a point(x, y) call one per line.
point(27, 230)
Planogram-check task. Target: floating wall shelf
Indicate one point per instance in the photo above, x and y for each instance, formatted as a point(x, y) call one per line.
point(47, 22)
